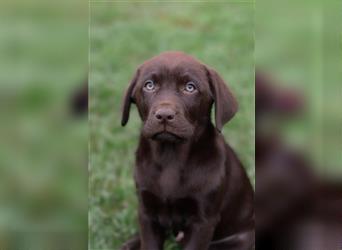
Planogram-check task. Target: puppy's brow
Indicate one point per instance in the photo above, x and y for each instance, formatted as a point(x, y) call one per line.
point(187, 75)
point(150, 74)
point(155, 71)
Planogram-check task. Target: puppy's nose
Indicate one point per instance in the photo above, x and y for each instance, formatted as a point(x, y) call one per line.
point(165, 114)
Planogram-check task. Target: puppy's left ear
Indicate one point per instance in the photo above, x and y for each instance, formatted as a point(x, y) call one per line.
point(128, 99)
point(225, 103)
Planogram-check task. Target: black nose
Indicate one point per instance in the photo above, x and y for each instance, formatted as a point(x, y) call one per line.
point(165, 114)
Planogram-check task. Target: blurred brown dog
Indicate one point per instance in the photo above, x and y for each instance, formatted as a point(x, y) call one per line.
point(295, 208)
point(189, 181)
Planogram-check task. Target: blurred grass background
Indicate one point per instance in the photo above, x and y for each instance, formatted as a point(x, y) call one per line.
point(301, 49)
point(122, 36)
point(43, 148)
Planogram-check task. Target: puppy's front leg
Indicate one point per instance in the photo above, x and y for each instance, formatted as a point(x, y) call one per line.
point(200, 235)
point(152, 236)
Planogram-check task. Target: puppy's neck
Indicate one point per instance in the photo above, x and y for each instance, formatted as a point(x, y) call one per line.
point(164, 153)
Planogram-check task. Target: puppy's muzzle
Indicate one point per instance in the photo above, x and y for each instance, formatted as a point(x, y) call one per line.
point(166, 122)
point(165, 116)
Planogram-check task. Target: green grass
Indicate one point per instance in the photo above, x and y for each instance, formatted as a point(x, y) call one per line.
point(43, 149)
point(122, 36)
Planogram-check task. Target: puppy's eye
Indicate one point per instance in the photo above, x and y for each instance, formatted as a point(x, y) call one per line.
point(149, 85)
point(190, 87)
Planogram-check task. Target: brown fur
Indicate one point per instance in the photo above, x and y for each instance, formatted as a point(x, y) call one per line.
point(188, 179)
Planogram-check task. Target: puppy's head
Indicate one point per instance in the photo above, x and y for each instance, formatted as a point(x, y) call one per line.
point(174, 94)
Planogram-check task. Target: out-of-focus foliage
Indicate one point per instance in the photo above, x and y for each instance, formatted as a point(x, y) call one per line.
point(122, 36)
point(43, 148)
point(299, 44)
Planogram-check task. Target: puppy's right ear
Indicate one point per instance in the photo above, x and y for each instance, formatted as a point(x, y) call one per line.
point(225, 103)
point(128, 99)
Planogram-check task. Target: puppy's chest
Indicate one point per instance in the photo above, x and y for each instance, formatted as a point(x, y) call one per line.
point(171, 181)
point(174, 194)
point(178, 181)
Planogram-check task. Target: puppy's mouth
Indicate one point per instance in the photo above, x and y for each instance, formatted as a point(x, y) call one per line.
point(170, 133)
point(167, 137)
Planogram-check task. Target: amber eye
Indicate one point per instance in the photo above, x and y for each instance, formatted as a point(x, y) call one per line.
point(149, 85)
point(190, 87)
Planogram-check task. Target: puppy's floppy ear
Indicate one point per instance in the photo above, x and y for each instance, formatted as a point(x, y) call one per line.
point(225, 103)
point(128, 99)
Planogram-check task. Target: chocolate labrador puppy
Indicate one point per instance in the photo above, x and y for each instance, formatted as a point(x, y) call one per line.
point(189, 182)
